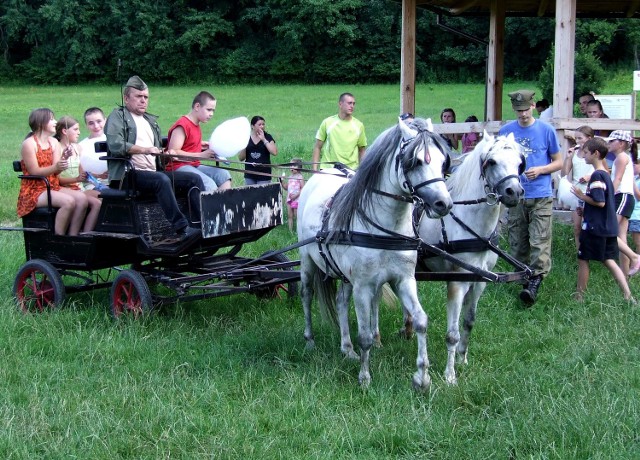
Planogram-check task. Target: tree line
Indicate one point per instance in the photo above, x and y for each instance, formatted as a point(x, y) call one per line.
point(288, 41)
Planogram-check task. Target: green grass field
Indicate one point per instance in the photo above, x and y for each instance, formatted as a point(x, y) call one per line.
point(230, 378)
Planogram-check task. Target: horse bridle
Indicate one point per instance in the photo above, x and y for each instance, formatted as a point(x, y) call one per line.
point(391, 240)
point(493, 196)
point(412, 189)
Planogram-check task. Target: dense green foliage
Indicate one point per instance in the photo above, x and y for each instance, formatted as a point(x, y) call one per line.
point(597, 42)
point(249, 41)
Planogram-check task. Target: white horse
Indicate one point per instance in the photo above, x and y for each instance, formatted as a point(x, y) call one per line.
point(362, 233)
point(488, 176)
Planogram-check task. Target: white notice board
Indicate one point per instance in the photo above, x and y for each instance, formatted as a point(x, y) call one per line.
point(617, 106)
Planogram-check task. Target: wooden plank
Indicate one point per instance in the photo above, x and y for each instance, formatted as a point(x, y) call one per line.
point(607, 124)
point(564, 59)
point(495, 61)
point(408, 58)
point(477, 127)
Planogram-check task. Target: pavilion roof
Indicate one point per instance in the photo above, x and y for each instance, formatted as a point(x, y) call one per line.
point(540, 8)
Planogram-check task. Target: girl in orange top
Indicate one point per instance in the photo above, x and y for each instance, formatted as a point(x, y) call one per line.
point(41, 155)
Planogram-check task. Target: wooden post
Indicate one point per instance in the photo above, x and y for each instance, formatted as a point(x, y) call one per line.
point(564, 63)
point(495, 61)
point(564, 59)
point(408, 58)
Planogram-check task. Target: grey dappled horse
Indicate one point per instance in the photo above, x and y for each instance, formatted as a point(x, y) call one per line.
point(364, 234)
point(491, 171)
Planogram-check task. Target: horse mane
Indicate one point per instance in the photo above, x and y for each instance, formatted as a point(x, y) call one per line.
point(355, 197)
point(466, 177)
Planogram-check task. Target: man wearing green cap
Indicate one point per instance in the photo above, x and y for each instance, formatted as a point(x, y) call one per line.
point(530, 222)
point(133, 133)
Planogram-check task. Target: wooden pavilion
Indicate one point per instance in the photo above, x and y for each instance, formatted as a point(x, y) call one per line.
point(565, 13)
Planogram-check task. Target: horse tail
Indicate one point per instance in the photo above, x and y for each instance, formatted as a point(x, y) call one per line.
point(326, 291)
point(389, 298)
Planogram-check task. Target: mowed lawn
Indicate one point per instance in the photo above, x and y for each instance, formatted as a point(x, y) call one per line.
point(230, 377)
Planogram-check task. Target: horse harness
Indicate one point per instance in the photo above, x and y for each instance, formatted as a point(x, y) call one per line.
point(392, 241)
point(478, 243)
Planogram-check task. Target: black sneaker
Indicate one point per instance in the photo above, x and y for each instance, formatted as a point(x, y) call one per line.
point(529, 294)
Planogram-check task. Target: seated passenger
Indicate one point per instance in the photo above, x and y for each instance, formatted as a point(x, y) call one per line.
point(131, 131)
point(67, 133)
point(185, 138)
point(41, 155)
point(94, 120)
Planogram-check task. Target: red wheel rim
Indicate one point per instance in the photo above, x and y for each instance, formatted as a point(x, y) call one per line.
point(35, 289)
point(126, 299)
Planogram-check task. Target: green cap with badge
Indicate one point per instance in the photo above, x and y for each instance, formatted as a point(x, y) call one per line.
point(521, 99)
point(136, 83)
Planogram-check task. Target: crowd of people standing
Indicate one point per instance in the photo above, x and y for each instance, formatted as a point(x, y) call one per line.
point(53, 149)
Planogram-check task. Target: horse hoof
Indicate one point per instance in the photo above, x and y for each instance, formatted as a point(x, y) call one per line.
point(451, 379)
point(461, 357)
point(310, 345)
point(377, 343)
point(364, 380)
point(350, 354)
point(421, 383)
point(405, 334)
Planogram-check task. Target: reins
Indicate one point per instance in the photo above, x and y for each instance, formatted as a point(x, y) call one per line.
point(283, 166)
point(478, 243)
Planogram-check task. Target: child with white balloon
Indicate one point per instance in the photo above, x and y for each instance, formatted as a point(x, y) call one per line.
point(68, 133)
point(575, 171)
point(97, 175)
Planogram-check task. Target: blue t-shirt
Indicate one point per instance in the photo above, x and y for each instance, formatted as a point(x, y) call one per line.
point(600, 221)
point(538, 142)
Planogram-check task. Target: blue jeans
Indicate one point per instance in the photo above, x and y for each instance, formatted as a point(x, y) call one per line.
point(162, 184)
point(211, 177)
point(249, 181)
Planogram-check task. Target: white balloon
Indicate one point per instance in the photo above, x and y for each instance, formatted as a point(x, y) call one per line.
point(90, 162)
point(230, 137)
point(564, 193)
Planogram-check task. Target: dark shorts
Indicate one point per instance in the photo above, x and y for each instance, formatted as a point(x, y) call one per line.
point(624, 204)
point(600, 248)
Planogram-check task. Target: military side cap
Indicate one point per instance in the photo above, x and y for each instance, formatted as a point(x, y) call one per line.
point(136, 83)
point(521, 99)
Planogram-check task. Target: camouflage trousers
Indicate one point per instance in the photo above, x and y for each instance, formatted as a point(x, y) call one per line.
point(529, 227)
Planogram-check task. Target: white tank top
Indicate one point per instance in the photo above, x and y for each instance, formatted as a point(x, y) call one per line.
point(626, 184)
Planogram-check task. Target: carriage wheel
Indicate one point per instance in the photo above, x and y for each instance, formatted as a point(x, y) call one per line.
point(38, 286)
point(290, 289)
point(130, 294)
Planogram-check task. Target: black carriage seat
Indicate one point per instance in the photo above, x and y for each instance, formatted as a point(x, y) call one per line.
point(42, 217)
point(128, 188)
point(127, 210)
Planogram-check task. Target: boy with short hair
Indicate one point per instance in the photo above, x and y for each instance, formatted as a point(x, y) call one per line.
point(94, 119)
point(185, 139)
point(598, 237)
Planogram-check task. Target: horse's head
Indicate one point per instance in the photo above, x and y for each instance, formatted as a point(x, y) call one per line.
point(422, 159)
point(501, 164)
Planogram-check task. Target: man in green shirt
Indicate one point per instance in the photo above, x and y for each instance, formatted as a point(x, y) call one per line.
point(344, 135)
